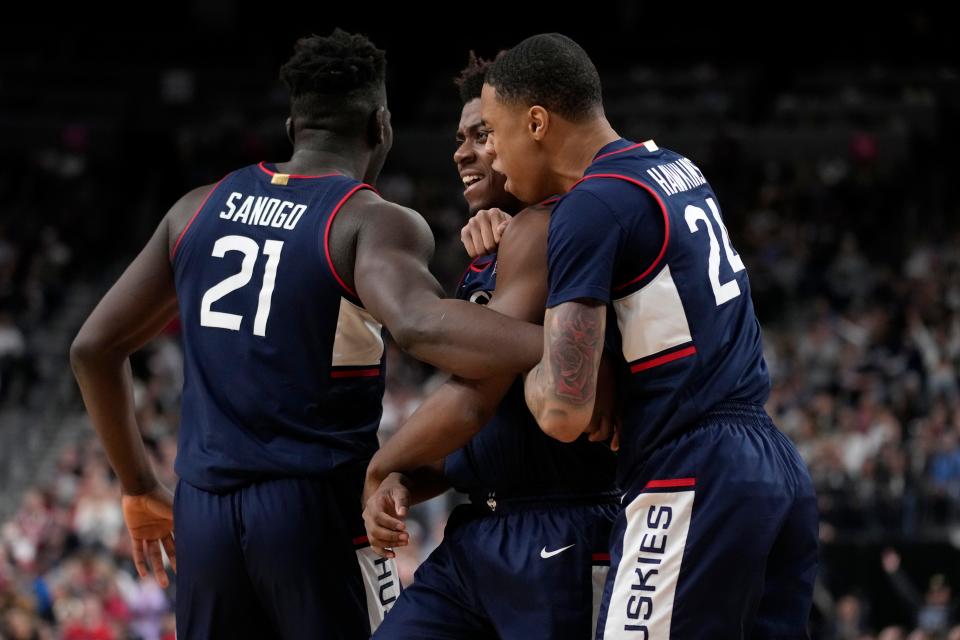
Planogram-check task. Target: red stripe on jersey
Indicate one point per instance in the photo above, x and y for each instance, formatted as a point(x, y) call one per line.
point(663, 209)
point(355, 373)
point(463, 276)
point(670, 357)
point(610, 153)
point(361, 540)
point(670, 484)
point(480, 268)
point(326, 236)
point(600, 557)
point(263, 168)
point(173, 252)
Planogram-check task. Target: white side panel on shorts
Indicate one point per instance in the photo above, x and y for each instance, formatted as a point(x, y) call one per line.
point(381, 583)
point(599, 581)
point(358, 341)
point(641, 603)
point(652, 319)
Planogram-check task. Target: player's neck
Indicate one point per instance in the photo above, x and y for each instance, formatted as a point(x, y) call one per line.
point(578, 150)
point(312, 162)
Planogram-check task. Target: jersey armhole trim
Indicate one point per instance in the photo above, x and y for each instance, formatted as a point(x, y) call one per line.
point(173, 252)
point(666, 222)
point(326, 236)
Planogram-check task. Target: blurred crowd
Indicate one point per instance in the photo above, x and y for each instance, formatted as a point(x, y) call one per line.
point(855, 276)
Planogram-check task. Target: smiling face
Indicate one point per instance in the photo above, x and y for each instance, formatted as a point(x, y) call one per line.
point(483, 187)
point(514, 133)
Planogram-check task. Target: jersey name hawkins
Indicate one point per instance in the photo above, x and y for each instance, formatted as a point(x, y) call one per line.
point(675, 177)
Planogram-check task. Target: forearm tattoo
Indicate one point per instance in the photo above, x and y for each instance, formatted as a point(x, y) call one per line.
point(576, 346)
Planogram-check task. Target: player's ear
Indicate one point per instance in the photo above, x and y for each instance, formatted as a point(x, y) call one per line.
point(538, 121)
point(378, 126)
point(289, 127)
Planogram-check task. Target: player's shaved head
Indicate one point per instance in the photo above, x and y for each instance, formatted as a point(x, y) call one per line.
point(549, 70)
point(335, 82)
point(470, 80)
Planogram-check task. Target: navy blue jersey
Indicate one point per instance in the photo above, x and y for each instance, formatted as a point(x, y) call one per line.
point(283, 367)
point(511, 455)
point(642, 232)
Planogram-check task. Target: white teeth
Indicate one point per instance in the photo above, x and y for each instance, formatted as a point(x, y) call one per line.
point(469, 180)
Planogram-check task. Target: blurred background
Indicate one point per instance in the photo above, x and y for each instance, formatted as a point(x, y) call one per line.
point(829, 135)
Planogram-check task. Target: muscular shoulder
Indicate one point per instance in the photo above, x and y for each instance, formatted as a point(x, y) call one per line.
point(374, 217)
point(619, 197)
point(182, 211)
point(522, 256)
point(368, 206)
point(526, 231)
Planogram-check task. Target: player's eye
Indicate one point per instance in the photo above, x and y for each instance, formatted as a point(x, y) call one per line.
point(482, 136)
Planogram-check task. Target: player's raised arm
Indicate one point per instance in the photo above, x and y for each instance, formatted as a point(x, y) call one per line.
point(132, 312)
point(393, 247)
point(457, 410)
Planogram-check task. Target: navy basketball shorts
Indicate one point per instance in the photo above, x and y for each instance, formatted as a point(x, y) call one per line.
point(283, 558)
point(526, 571)
point(717, 537)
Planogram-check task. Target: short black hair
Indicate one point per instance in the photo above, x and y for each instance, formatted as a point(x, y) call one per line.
point(551, 70)
point(335, 81)
point(470, 80)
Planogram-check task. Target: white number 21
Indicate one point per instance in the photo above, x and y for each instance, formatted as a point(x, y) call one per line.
point(250, 250)
point(727, 290)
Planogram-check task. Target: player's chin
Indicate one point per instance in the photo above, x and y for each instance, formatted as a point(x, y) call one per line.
point(479, 198)
point(517, 190)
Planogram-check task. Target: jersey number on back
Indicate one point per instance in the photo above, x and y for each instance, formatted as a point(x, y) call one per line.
point(723, 292)
point(250, 250)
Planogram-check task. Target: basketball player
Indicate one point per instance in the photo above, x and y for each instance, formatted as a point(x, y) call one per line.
point(282, 275)
point(718, 534)
point(537, 527)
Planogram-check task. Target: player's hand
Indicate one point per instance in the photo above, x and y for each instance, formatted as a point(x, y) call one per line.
point(383, 516)
point(149, 519)
point(481, 235)
point(605, 424)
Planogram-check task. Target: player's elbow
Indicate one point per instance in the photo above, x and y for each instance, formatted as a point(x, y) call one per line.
point(415, 330)
point(563, 425)
point(409, 335)
point(86, 349)
point(82, 352)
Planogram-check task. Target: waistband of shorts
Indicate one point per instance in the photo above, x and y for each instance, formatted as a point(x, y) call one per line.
point(729, 411)
point(737, 411)
point(492, 502)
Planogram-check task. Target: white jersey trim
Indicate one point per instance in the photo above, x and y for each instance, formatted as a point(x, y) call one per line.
point(652, 318)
